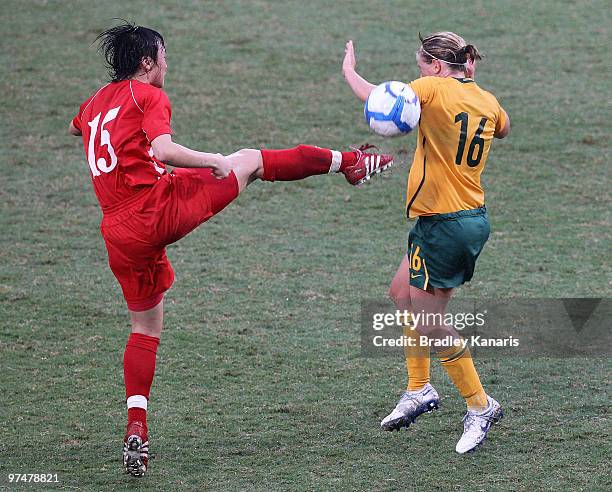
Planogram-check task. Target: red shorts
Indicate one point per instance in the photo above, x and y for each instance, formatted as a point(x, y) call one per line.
point(138, 230)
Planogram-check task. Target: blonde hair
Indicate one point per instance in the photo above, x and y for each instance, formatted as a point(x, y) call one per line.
point(447, 47)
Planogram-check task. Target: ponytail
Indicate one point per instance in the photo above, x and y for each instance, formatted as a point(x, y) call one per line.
point(470, 52)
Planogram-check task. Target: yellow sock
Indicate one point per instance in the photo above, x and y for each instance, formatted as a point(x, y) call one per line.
point(457, 361)
point(417, 360)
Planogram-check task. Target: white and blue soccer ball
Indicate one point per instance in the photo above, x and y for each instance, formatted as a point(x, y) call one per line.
point(392, 109)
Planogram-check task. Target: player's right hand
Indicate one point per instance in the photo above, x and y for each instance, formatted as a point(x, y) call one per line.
point(349, 63)
point(222, 167)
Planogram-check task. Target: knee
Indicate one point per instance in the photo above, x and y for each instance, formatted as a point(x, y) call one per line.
point(433, 331)
point(425, 330)
point(249, 160)
point(247, 166)
point(248, 152)
point(246, 156)
point(148, 322)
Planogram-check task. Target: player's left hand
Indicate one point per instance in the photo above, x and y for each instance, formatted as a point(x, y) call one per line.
point(222, 168)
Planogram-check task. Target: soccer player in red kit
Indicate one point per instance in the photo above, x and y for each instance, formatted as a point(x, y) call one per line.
point(125, 126)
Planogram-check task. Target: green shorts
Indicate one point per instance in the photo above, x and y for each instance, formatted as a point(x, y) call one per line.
point(443, 248)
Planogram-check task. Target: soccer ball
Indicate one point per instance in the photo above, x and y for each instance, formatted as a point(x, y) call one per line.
point(392, 109)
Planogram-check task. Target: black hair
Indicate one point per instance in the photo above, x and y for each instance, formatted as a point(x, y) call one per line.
point(125, 46)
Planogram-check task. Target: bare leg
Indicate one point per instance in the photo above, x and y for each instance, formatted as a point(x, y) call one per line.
point(148, 322)
point(408, 297)
point(433, 302)
point(248, 166)
point(399, 290)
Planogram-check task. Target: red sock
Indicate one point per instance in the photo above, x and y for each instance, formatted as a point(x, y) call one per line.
point(138, 371)
point(300, 162)
point(136, 414)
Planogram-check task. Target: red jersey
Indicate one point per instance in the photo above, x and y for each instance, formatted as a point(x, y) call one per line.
point(118, 124)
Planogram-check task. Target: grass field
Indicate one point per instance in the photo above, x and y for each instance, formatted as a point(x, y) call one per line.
point(260, 384)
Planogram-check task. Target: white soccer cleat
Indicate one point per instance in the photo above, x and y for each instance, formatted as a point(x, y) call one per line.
point(410, 406)
point(476, 426)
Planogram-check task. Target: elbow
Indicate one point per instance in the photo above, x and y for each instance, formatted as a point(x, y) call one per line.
point(364, 92)
point(162, 155)
point(503, 133)
point(73, 130)
point(160, 152)
point(361, 93)
point(163, 149)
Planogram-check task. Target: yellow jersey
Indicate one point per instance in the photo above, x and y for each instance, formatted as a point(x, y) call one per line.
point(458, 121)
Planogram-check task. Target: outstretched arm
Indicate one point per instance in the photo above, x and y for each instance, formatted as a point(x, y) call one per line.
point(360, 86)
point(176, 155)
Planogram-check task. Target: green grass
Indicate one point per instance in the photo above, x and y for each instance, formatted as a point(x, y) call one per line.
point(260, 385)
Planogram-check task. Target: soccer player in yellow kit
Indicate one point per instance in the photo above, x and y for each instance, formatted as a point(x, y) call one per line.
point(457, 125)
